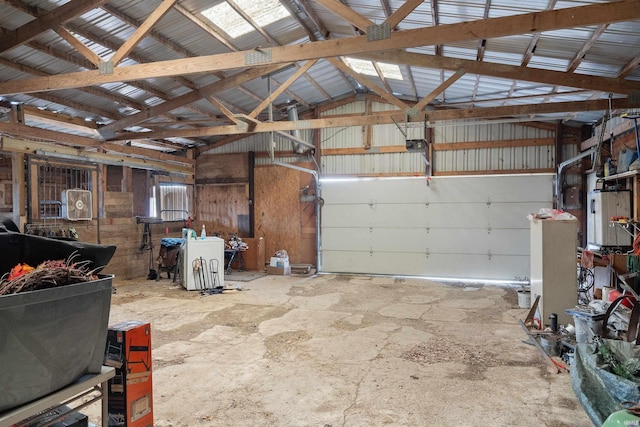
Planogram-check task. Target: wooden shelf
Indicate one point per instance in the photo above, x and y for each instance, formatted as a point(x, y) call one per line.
point(623, 175)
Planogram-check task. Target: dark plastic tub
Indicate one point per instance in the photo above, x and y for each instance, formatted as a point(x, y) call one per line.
point(50, 338)
point(24, 248)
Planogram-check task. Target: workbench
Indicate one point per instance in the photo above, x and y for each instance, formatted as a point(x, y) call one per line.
point(94, 386)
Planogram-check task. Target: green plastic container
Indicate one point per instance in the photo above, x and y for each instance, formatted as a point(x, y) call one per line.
point(50, 338)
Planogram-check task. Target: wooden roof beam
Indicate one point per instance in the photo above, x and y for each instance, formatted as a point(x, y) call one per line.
point(219, 86)
point(533, 44)
point(295, 76)
point(52, 19)
point(629, 67)
point(208, 27)
point(366, 82)
point(80, 141)
point(141, 31)
point(577, 59)
point(437, 91)
point(348, 14)
point(90, 55)
point(594, 14)
point(402, 12)
point(579, 81)
point(389, 117)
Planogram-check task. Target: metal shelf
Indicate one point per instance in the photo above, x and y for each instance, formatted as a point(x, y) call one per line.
point(81, 388)
point(625, 226)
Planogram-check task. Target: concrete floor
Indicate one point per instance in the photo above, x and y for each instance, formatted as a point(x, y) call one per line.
point(343, 351)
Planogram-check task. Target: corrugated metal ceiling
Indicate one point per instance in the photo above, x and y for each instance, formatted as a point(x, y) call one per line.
point(184, 32)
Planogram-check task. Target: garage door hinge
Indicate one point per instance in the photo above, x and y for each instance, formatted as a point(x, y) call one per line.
point(488, 202)
point(489, 254)
point(427, 253)
point(488, 229)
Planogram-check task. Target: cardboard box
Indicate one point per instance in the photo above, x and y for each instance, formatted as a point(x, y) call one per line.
point(279, 262)
point(130, 390)
point(280, 271)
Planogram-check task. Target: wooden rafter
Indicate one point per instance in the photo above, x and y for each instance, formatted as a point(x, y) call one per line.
point(79, 141)
point(533, 43)
point(52, 19)
point(482, 44)
point(190, 97)
point(295, 76)
point(209, 27)
point(593, 14)
point(141, 31)
point(367, 82)
point(509, 97)
point(577, 59)
point(308, 10)
point(78, 45)
point(629, 67)
point(437, 91)
point(347, 13)
point(390, 117)
point(50, 50)
point(402, 12)
point(220, 106)
point(182, 165)
point(510, 72)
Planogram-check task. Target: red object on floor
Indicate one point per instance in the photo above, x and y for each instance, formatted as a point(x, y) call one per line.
point(628, 302)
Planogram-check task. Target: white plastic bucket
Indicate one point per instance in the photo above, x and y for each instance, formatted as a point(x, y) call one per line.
point(524, 299)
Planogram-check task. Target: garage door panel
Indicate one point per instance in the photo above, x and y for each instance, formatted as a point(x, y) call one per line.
point(472, 215)
point(462, 189)
point(400, 226)
point(511, 188)
point(443, 241)
point(511, 215)
point(407, 215)
point(499, 267)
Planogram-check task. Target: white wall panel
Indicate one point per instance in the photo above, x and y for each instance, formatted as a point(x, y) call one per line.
point(402, 226)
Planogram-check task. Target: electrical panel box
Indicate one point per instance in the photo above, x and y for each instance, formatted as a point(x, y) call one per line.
point(601, 206)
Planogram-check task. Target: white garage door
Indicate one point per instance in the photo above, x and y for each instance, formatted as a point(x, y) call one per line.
point(458, 227)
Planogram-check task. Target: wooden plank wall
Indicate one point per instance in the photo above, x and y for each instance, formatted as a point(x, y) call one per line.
point(6, 185)
point(118, 204)
point(129, 261)
point(281, 218)
point(218, 207)
point(222, 192)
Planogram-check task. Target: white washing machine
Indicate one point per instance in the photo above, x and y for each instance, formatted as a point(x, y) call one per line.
point(207, 254)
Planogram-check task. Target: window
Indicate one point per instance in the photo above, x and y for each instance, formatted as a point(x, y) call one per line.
point(53, 181)
point(175, 201)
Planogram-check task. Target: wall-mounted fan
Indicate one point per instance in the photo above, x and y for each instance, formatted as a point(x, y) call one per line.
point(77, 205)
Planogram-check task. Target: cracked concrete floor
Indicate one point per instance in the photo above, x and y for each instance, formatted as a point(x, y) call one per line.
point(336, 350)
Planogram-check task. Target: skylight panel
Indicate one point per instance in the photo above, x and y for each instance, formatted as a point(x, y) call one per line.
point(263, 13)
point(389, 71)
point(228, 19)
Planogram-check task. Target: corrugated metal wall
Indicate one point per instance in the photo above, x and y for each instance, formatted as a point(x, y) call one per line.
point(492, 159)
point(404, 163)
